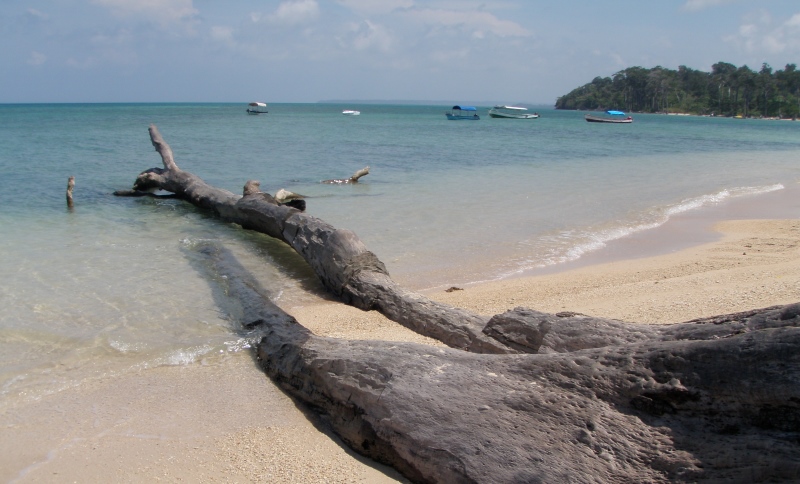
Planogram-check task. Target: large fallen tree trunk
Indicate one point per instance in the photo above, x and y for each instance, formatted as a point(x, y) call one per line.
point(715, 400)
point(587, 400)
point(337, 256)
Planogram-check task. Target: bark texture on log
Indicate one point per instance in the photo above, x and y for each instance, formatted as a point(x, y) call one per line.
point(530, 331)
point(707, 401)
point(337, 256)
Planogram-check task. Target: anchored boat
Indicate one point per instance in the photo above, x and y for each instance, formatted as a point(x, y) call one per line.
point(257, 108)
point(511, 112)
point(617, 117)
point(463, 112)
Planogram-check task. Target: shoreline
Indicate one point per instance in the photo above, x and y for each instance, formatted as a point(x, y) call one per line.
point(227, 422)
point(686, 230)
point(710, 238)
point(754, 264)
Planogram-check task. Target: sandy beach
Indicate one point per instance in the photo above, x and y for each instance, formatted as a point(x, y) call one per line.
point(754, 265)
point(226, 422)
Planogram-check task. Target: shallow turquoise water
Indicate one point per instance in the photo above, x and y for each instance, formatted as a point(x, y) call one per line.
point(112, 286)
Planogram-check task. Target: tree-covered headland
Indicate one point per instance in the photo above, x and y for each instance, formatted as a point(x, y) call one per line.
point(725, 91)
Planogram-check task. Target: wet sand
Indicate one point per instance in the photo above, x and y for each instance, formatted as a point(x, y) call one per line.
point(226, 422)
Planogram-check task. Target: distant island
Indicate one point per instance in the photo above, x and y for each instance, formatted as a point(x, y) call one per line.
point(725, 91)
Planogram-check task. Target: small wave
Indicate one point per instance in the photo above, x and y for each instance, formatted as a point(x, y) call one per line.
point(571, 245)
point(188, 356)
point(123, 347)
point(715, 198)
point(195, 242)
point(7, 385)
point(240, 344)
point(184, 356)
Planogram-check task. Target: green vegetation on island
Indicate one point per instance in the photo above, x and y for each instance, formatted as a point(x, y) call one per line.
point(725, 91)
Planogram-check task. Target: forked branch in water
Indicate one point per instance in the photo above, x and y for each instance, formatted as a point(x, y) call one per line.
point(353, 179)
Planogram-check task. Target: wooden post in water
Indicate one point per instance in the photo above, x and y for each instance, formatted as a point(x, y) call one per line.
point(70, 186)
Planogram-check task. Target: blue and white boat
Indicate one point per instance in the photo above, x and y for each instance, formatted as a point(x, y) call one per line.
point(463, 112)
point(612, 117)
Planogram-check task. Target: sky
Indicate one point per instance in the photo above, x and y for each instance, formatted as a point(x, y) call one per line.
point(504, 51)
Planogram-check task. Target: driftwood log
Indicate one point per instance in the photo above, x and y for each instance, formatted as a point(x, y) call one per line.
point(709, 400)
point(565, 398)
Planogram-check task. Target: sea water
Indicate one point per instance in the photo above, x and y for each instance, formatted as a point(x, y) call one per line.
point(114, 284)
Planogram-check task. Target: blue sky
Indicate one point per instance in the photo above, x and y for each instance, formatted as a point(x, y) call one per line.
point(510, 51)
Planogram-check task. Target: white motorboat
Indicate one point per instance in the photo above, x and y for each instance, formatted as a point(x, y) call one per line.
point(511, 112)
point(257, 108)
point(350, 112)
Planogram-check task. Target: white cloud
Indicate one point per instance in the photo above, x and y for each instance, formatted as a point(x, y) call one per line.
point(760, 34)
point(695, 5)
point(222, 34)
point(37, 58)
point(773, 44)
point(475, 21)
point(32, 12)
point(376, 7)
point(372, 36)
point(748, 30)
point(161, 11)
point(295, 12)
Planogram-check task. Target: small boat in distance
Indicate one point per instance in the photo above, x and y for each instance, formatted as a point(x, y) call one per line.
point(463, 112)
point(511, 112)
point(617, 117)
point(257, 108)
point(350, 112)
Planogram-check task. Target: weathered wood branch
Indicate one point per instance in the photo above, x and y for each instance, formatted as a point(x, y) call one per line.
point(718, 407)
point(338, 257)
point(530, 331)
point(353, 179)
point(163, 149)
